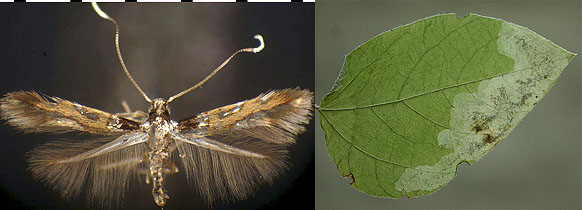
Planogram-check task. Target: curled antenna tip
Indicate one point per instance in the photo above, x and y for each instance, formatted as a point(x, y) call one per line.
point(260, 47)
point(99, 11)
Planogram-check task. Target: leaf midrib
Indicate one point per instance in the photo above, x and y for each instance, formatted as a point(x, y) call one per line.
point(429, 92)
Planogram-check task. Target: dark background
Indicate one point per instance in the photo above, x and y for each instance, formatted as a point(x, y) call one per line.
point(537, 166)
point(66, 50)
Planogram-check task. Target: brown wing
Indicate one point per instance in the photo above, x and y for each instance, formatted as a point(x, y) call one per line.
point(229, 151)
point(29, 112)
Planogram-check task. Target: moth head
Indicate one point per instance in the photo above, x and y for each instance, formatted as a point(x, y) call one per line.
point(159, 107)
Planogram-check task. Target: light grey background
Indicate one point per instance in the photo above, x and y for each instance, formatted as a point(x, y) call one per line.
point(537, 166)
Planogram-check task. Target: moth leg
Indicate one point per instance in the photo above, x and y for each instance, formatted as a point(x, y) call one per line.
point(138, 115)
point(169, 169)
point(125, 106)
point(145, 172)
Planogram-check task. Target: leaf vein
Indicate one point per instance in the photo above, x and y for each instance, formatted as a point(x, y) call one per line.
point(371, 155)
point(426, 52)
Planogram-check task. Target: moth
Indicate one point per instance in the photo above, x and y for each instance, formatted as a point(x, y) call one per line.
point(226, 152)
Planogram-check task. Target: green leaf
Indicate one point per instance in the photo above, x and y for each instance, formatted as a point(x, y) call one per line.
point(413, 103)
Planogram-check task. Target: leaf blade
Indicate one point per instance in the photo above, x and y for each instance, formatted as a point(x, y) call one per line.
point(400, 107)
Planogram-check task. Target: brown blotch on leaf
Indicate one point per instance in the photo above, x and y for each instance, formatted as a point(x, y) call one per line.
point(488, 139)
point(352, 179)
point(477, 128)
point(524, 98)
point(481, 122)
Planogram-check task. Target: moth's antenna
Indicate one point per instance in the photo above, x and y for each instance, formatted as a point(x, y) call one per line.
point(106, 17)
point(253, 50)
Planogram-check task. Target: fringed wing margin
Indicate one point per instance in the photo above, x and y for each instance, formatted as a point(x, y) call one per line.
point(264, 127)
point(30, 112)
point(100, 168)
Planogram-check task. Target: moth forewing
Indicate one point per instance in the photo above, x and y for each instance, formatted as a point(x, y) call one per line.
point(30, 112)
